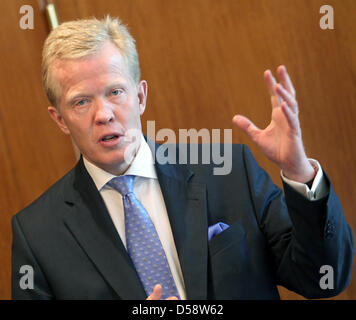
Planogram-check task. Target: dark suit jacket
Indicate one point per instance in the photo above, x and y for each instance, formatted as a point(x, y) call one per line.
point(67, 236)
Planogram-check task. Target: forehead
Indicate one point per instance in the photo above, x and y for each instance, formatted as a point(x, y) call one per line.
point(107, 63)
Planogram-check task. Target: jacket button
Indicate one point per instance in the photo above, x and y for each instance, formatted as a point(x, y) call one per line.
point(329, 235)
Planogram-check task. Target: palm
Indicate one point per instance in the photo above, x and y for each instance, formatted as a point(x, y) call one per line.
point(278, 139)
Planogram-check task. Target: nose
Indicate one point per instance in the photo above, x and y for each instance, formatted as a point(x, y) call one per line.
point(103, 112)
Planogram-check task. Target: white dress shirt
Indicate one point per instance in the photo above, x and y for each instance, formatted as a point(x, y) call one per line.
point(319, 187)
point(148, 192)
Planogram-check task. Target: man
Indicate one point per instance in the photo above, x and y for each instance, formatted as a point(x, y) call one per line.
point(219, 237)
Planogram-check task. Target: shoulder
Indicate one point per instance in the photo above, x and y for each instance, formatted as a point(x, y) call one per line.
point(223, 161)
point(49, 203)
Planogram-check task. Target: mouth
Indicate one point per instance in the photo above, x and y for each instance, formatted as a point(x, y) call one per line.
point(109, 140)
point(109, 137)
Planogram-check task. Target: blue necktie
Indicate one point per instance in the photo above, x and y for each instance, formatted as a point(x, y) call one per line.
point(142, 241)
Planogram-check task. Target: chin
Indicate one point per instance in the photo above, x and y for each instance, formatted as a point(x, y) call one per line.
point(116, 162)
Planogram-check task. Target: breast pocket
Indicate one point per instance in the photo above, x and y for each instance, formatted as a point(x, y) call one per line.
point(228, 262)
point(234, 234)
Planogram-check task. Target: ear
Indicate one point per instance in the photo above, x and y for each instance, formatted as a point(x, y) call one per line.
point(57, 118)
point(142, 88)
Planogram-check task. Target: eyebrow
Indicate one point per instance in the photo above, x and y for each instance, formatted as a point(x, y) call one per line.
point(72, 97)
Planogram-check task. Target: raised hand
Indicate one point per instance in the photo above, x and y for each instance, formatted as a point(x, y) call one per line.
point(281, 141)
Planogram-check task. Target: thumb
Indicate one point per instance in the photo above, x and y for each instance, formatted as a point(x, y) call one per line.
point(247, 126)
point(156, 294)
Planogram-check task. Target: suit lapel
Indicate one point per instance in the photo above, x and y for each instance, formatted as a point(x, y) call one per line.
point(186, 206)
point(92, 227)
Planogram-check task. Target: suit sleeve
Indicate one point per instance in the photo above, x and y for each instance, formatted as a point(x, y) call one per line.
point(28, 281)
point(302, 235)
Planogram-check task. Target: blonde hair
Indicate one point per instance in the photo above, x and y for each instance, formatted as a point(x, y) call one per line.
point(82, 38)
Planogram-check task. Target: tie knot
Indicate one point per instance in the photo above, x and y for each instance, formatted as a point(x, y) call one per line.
point(123, 184)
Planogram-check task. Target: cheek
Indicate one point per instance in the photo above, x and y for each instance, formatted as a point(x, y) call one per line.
point(80, 128)
point(136, 112)
point(136, 119)
point(129, 117)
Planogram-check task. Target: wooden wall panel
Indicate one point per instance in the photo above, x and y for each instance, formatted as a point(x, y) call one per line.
point(33, 153)
point(204, 61)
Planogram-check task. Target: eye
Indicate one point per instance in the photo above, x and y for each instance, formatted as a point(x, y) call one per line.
point(116, 92)
point(81, 102)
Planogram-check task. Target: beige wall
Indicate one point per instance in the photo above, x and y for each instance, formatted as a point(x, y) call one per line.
point(204, 61)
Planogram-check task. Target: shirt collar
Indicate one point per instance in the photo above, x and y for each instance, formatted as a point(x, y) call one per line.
point(142, 166)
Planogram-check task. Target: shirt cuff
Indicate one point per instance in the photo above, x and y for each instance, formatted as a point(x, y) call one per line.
point(319, 187)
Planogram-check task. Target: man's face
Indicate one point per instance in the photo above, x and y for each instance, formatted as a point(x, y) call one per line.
point(99, 105)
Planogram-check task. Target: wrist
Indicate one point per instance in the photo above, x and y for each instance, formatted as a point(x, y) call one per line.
point(305, 174)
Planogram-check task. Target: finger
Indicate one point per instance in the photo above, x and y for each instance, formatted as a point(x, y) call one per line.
point(156, 294)
point(292, 119)
point(275, 101)
point(285, 80)
point(246, 126)
point(271, 84)
point(287, 97)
